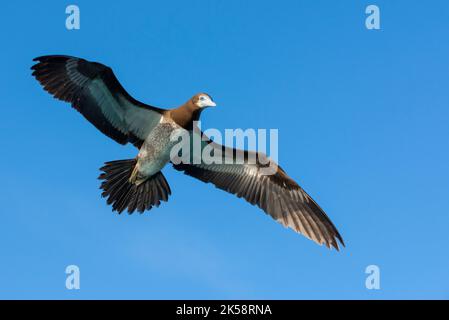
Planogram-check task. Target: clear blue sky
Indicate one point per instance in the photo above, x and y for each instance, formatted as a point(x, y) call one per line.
point(363, 126)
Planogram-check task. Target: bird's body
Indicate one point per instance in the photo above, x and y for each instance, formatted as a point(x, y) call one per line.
point(155, 151)
point(138, 184)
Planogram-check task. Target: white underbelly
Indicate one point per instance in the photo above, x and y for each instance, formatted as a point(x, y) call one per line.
point(155, 151)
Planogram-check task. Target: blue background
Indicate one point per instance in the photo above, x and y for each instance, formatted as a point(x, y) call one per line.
point(363, 126)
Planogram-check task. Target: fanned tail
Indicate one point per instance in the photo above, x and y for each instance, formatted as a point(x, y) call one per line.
point(123, 194)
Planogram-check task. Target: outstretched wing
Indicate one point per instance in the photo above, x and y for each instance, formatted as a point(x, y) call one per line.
point(95, 92)
point(244, 174)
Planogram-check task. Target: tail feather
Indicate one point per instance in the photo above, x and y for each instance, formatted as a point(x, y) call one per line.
point(123, 194)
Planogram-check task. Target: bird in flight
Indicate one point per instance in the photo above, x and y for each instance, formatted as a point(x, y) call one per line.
point(138, 184)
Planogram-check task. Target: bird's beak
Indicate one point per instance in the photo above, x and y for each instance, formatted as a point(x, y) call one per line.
point(212, 104)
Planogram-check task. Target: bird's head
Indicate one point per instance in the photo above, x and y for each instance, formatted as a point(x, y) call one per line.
point(203, 100)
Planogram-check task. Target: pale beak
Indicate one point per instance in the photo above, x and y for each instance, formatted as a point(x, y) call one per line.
point(212, 104)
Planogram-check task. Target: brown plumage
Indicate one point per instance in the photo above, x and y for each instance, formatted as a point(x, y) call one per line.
point(138, 184)
point(187, 113)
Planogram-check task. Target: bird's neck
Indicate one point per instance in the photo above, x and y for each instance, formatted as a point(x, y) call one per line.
point(186, 114)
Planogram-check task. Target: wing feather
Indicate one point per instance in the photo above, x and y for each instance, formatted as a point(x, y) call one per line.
point(95, 92)
point(277, 194)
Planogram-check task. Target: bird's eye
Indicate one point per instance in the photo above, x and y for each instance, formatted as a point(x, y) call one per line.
point(203, 98)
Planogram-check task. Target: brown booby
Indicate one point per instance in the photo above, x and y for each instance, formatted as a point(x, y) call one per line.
point(138, 184)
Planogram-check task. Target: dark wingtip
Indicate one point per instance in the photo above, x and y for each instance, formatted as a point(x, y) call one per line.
point(335, 243)
point(42, 58)
point(340, 239)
